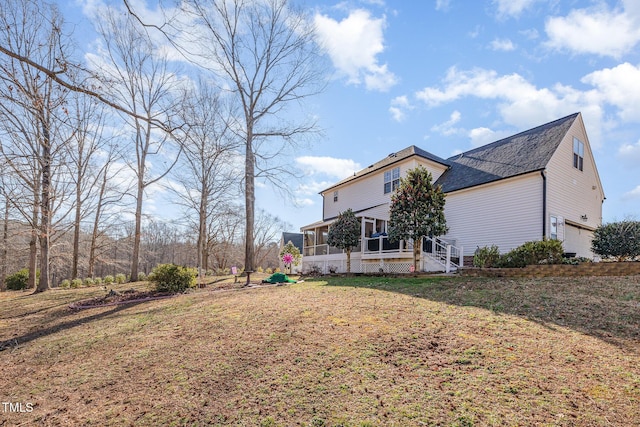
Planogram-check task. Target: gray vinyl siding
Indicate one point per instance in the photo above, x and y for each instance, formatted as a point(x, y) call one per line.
point(506, 213)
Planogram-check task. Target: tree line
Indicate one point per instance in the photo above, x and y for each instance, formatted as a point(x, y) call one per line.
point(85, 143)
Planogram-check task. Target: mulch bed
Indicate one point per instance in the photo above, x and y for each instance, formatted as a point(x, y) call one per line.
point(115, 298)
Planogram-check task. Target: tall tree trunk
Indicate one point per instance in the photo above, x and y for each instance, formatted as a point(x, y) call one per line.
point(5, 243)
point(96, 225)
point(202, 233)
point(137, 233)
point(33, 244)
point(76, 229)
point(250, 202)
point(45, 209)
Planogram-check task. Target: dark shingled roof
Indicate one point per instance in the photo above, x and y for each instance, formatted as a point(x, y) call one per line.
point(391, 159)
point(528, 151)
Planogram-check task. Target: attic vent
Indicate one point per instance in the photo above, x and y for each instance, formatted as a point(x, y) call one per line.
point(392, 155)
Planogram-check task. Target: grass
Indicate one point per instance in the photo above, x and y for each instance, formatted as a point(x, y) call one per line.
point(354, 351)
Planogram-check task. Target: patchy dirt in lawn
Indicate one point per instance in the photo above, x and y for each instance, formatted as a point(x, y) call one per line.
point(333, 352)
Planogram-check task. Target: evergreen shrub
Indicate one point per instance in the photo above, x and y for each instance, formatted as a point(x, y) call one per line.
point(173, 278)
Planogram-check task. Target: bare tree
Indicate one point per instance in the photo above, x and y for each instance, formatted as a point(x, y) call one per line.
point(207, 178)
point(34, 31)
point(139, 78)
point(5, 240)
point(106, 205)
point(87, 144)
point(269, 229)
point(225, 236)
point(265, 53)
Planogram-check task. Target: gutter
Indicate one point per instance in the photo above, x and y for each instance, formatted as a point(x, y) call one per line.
point(544, 202)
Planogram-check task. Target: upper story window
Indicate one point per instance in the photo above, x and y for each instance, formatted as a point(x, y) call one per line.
point(578, 154)
point(335, 196)
point(391, 180)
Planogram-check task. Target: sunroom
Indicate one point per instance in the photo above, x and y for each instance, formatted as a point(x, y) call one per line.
point(375, 253)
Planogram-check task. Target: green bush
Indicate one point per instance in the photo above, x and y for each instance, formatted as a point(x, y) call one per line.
point(65, 284)
point(88, 282)
point(619, 240)
point(97, 280)
point(76, 283)
point(173, 278)
point(142, 277)
point(531, 253)
point(121, 278)
point(486, 257)
point(18, 280)
point(108, 279)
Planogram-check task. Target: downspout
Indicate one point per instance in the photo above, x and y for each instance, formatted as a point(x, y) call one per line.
point(544, 203)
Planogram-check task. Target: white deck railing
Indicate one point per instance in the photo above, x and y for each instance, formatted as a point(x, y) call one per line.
point(439, 250)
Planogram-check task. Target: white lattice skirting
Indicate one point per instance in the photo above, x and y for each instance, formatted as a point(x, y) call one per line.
point(357, 266)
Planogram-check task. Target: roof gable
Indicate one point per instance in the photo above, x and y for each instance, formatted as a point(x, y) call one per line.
point(391, 159)
point(522, 153)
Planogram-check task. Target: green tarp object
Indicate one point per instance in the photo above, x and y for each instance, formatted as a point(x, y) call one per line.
point(278, 278)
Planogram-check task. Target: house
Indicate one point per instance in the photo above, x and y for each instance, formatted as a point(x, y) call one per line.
point(540, 183)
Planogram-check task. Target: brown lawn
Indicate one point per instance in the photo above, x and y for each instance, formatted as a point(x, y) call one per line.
point(358, 351)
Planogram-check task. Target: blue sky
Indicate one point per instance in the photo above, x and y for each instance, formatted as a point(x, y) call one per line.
point(450, 75)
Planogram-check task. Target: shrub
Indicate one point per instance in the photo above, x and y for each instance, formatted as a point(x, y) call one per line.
point(142, 277)
point(486, 257)
point(65, 284)
point(269, 270)
point(89, 282)
point(576, 260)
point(531, 253)
point(18, 280)
point(97, 280)
point(173, 278)
point(76, 283)
point(260, 270)
point(108, 279)
point(121, 278)
point(619, 240)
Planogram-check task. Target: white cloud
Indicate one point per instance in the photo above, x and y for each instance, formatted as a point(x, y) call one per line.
point(447, 128)
point(353, 45)
point(301, 202)
point(443, 5)
point(482, 136)
point(597, 30)
point(619, 86)
point(399, 106)
point(313, 187)
point(629, 154)
point(329, 166)
point(530, 33)
point(505, 45)
point(633, 194)
point(521, 104)
point(512, 8)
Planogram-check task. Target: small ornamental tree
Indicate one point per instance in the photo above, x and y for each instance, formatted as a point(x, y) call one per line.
point(417, 210)
point(290, 254)
point(619, 240)
point(344, 233)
